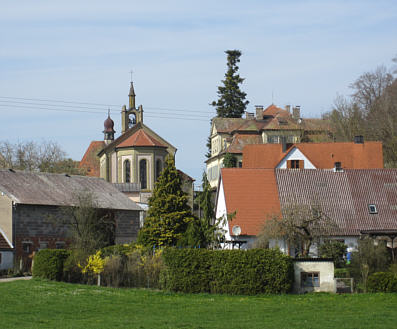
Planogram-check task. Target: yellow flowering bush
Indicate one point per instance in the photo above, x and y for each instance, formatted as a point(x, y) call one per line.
point(95, 264)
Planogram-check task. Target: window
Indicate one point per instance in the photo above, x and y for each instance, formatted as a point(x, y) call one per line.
point(143, 174)
point(372, 209)
point(310, 279)
point(159, 168)
point(273, 139)
point(43, 245)
point(127, 171)
point(240, 164)
point(295, 164)
point(0, 256)
point(27, 247)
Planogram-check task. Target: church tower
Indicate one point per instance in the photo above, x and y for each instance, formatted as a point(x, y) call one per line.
point(108, 130)
point(132, 115)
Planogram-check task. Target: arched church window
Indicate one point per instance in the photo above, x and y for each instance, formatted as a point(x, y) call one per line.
point(127, 171)
point(143, 174)
point(159, 168)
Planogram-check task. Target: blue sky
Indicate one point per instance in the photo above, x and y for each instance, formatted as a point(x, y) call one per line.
point(302, 52)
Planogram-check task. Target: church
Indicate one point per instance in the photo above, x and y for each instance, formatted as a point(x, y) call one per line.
point(135, 159)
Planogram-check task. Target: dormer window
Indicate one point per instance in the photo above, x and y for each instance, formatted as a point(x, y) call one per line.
point(372, 209)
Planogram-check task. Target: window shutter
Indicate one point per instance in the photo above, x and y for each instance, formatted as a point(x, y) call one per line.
point(289, 164)
point(301, 164)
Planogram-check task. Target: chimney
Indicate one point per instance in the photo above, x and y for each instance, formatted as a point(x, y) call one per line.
point(259, 112)
point(288, 108)
point(359, 139)
point(249, 116)
point(296, 112)
point(338, 167)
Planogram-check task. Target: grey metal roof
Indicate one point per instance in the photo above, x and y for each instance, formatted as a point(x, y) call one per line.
point(60, 189)
point(344, 196)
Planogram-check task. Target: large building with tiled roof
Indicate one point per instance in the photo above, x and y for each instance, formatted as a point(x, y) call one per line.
point(356, 200)
point(272, 125)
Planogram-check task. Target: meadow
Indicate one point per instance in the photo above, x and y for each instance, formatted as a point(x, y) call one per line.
point(46, 304)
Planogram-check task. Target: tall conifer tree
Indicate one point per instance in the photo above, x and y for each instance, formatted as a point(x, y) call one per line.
point(231, 102)
point(169, 213)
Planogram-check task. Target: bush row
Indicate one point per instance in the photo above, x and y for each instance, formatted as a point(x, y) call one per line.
point(252, 271)
point(49, 263)
point(382, 282)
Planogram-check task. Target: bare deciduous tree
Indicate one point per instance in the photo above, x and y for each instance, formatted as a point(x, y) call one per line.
point(32, 156)
point(299, 225)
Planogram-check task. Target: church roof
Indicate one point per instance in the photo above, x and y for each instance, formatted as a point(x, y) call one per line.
point(137, 136)
point(141, 138)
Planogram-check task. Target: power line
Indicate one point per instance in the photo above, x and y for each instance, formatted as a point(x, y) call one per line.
point(161, 116)
point(99, 104)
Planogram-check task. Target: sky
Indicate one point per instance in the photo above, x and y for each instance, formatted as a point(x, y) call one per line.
point(63, 64)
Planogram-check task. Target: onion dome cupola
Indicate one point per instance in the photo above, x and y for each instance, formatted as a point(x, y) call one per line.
point(108, 130)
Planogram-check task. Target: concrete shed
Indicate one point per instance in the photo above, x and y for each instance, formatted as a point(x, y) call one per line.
point(313, 275)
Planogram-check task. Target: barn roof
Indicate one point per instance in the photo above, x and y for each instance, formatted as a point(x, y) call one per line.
point(60, 190)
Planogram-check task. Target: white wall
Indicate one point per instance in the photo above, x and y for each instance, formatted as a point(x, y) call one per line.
point(325, 269)
point(295, 154)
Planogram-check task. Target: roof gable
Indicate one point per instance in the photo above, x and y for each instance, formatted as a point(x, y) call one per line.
point(141, 138)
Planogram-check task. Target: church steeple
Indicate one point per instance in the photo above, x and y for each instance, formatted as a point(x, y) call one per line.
point(132, 115)
point(131, 97)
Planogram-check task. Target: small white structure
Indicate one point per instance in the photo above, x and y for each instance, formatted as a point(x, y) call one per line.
point(313, 275)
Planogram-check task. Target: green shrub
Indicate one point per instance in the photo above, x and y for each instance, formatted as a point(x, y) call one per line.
point(382, 282)
point(252, 271)
point(342, 273)
point(48, 263)
point(335, 250)
point(71, 270)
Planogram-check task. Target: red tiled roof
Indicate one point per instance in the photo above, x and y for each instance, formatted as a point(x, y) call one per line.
point(141, 138)
point(252, 193)
point(274, 111)
point(262, 156)
point(322, 155)
point(90, 160)
point(351, 155)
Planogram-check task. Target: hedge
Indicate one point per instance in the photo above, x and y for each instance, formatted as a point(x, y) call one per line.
point(382, 282)
point(48, 263)
point(249, 272)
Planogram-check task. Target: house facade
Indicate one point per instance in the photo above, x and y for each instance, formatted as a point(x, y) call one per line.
point(32, 209)
point(272, 125)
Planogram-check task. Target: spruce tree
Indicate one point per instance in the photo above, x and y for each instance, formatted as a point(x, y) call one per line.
point(231, 102)
point(169, 214)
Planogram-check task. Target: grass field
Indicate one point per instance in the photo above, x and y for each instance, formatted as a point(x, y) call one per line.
point(44, 304)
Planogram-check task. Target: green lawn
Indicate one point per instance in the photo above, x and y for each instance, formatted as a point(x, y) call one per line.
point(44, 304)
